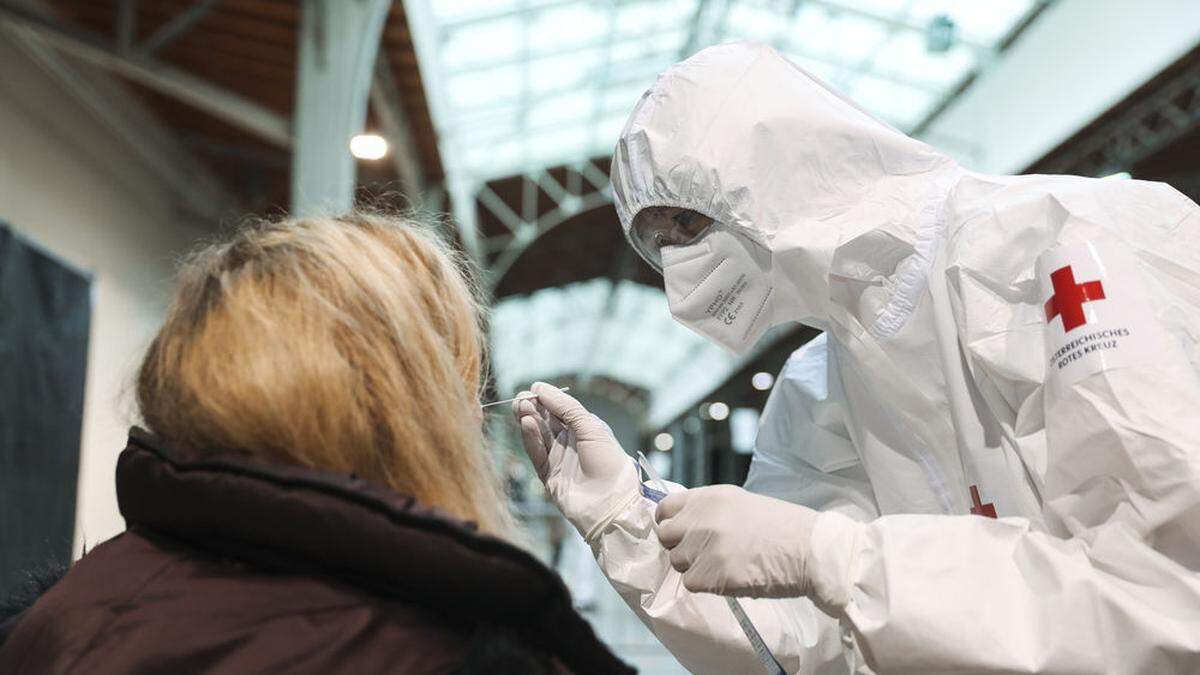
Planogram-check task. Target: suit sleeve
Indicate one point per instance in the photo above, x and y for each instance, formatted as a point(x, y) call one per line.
point(803, 455)
point(1112, 585)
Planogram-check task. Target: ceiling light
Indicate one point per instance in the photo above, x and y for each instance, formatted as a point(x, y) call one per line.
point(762, 381)
point(718, 411)
point(664, 441)
point(369, 146)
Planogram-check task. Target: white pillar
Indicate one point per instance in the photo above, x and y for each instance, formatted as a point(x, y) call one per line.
point(339, 41)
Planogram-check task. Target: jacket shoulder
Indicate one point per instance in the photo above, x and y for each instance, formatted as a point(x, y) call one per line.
point(35, 583)
point(106, 616)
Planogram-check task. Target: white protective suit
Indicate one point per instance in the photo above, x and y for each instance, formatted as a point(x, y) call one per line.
point(959, 355)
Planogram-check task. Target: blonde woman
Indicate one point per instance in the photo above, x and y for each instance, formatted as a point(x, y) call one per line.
point(312, 493)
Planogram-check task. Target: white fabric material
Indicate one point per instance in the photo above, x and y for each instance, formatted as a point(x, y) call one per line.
point(937, 380)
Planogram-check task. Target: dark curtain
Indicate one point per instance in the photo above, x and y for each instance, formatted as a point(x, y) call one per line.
point(45, 311)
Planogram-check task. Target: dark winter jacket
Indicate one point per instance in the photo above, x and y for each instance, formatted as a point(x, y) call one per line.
point(232, 565)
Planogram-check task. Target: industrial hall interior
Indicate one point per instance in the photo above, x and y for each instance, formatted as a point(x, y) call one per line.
point(600, 336)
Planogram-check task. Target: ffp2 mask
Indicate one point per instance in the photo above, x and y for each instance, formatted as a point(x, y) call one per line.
point(719, 288)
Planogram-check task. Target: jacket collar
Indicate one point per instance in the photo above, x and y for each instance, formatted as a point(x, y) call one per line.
point(317, 522)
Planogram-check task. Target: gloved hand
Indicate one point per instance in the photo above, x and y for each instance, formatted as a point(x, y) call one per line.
point(728, 541)
point(588, 475)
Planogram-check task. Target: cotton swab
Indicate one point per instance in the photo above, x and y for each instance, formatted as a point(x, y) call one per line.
point(517, 398)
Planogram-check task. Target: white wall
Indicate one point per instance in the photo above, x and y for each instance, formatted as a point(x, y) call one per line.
point(1074, 63)
point(67, 185)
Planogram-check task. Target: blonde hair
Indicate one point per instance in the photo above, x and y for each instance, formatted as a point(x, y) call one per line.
point(350, 344)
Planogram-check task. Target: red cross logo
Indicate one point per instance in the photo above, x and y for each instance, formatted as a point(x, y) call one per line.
point(1069, 297)
point(979, 508)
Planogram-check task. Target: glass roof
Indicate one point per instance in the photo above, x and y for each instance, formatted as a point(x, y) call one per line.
point(622, 331)
point(518, 85)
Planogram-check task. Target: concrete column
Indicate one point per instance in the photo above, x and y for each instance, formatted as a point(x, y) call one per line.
point(339, 41)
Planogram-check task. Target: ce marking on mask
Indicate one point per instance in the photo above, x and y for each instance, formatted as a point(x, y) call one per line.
point(723, 307)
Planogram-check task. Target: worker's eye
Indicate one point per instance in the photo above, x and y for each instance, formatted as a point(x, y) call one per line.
point(661, 239)
point(684, 218)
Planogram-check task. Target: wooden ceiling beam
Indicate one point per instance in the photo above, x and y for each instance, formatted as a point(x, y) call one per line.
point(153, 15)
point(125, 116)
point(165, 78)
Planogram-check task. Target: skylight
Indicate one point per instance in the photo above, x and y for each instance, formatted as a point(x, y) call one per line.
point(517, 86)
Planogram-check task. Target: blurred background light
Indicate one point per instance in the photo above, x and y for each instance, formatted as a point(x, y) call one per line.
point(718, 411)
point(664, 441)
point(369, 146)
point(762, 381)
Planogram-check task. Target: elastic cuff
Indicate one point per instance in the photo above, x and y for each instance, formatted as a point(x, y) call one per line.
point(834, 546)
point(618, 507)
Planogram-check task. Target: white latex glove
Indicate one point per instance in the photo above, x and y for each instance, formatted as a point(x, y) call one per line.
point(588, 475)
point(728, 541)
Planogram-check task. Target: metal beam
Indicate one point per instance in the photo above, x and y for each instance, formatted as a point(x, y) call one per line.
point(520, 10)
point(126, 25)
point(892, 22)
point(385, 100)
point(667, 57)
point(198, 191)
point(268, 158)
point(552, 187)
point(497, 242)
point(576, 48)
point(526, 237)
point(529, 199)
point(176, 27)
point(524, 224)
point(221, 103)
point(595, 176)
point(499, 208)
point(1140, 131)
point(695, 27)
point(339, 43)
point(466, 216)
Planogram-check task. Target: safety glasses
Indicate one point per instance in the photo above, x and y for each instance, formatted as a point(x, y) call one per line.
point(657, 227)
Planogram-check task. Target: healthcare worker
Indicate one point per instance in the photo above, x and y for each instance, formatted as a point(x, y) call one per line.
point(1022, 347)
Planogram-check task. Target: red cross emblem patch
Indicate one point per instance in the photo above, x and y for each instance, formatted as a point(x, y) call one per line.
point(1069, 298)
point(1108, 316)
point(978, 507)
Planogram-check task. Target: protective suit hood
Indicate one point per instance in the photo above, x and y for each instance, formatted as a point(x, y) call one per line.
point(745, 137)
